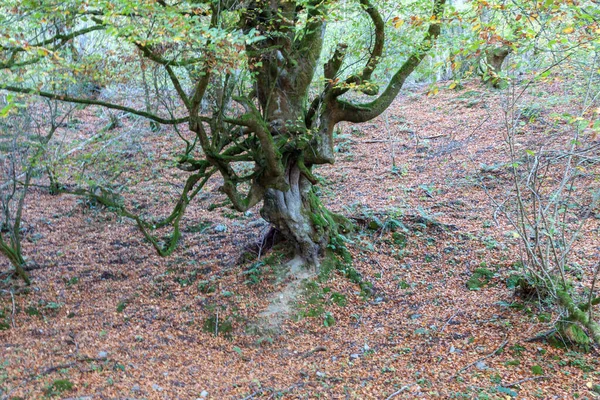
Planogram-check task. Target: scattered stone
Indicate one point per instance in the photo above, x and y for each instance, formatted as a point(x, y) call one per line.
point(321, 374)
point(156, 387)
point(220, 228)
point(136, 388)
point(35, 237)
point(454, 350)
point(355, 356)
point(481, 365)
point(378, 300)
point(102, 355)
point(203, 394)
point(258, 223)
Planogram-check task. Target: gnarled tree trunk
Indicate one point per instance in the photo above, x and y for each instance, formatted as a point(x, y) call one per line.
point(300, 217)
point(292, 214)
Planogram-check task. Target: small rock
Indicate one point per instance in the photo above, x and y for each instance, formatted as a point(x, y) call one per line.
point(481, 365)
point(321, 374)
point(366, 347)
point(354, 356)
point(378, 300)
point(136, 388)
point(203, 394)
point(258, 223)
point(156, 387)
point(220, 228)
point(102, 355)
point(35, 237)
point(454, 350)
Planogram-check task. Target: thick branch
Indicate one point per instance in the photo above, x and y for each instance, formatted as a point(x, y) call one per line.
point(163, 61)
point(63, 38)
point(365, 112)
point(334, 64)
point(69, 99)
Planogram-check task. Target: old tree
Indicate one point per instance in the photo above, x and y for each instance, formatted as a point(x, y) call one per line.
point(259, 84)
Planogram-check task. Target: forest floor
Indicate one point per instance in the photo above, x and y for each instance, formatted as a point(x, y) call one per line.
point(107, 318)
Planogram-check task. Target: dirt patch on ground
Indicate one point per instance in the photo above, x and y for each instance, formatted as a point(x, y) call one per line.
point(282, 303)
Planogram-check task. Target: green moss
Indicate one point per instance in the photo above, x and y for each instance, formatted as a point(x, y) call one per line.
point(571, 335)
point(59, 386)
point(399, 239)
point(480, 278)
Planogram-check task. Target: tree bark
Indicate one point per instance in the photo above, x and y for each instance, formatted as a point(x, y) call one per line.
point(297, 214)
point(494, 58)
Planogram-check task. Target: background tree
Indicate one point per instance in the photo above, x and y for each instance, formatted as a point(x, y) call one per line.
point(25, 131)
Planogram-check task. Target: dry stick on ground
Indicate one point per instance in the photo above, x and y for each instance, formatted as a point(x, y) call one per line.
point(12, 314)
point(313, 351)
point(480, 359)
point(540, 337)
point(397, 392)
point(378, 141)
point(433, 137)
point(250, 396)
point(533, 378)
point(449, 320)
point(591, 296)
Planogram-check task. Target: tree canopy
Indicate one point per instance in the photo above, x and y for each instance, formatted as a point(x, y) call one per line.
point(259, 85)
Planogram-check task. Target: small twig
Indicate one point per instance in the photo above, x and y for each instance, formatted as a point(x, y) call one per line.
point(540, 336)
point(533, 378)
point(284, 391)
point(591, 297)
point(12, 314)
point(449, 320)
point(250, 396)
point(397, 392)
point(370, 141)
point(313, 351)
point(217, 325)
point(480, 359)
point(433, 137)
point(57, 367)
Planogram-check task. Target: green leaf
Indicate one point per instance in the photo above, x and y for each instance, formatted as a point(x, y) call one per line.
point(507, 391)
point(329, 320)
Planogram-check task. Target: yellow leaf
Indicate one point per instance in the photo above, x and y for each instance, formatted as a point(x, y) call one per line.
point(452, 85)
point(398, 23)
point(589, 385)
point(433, 91)
point(568, 30)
